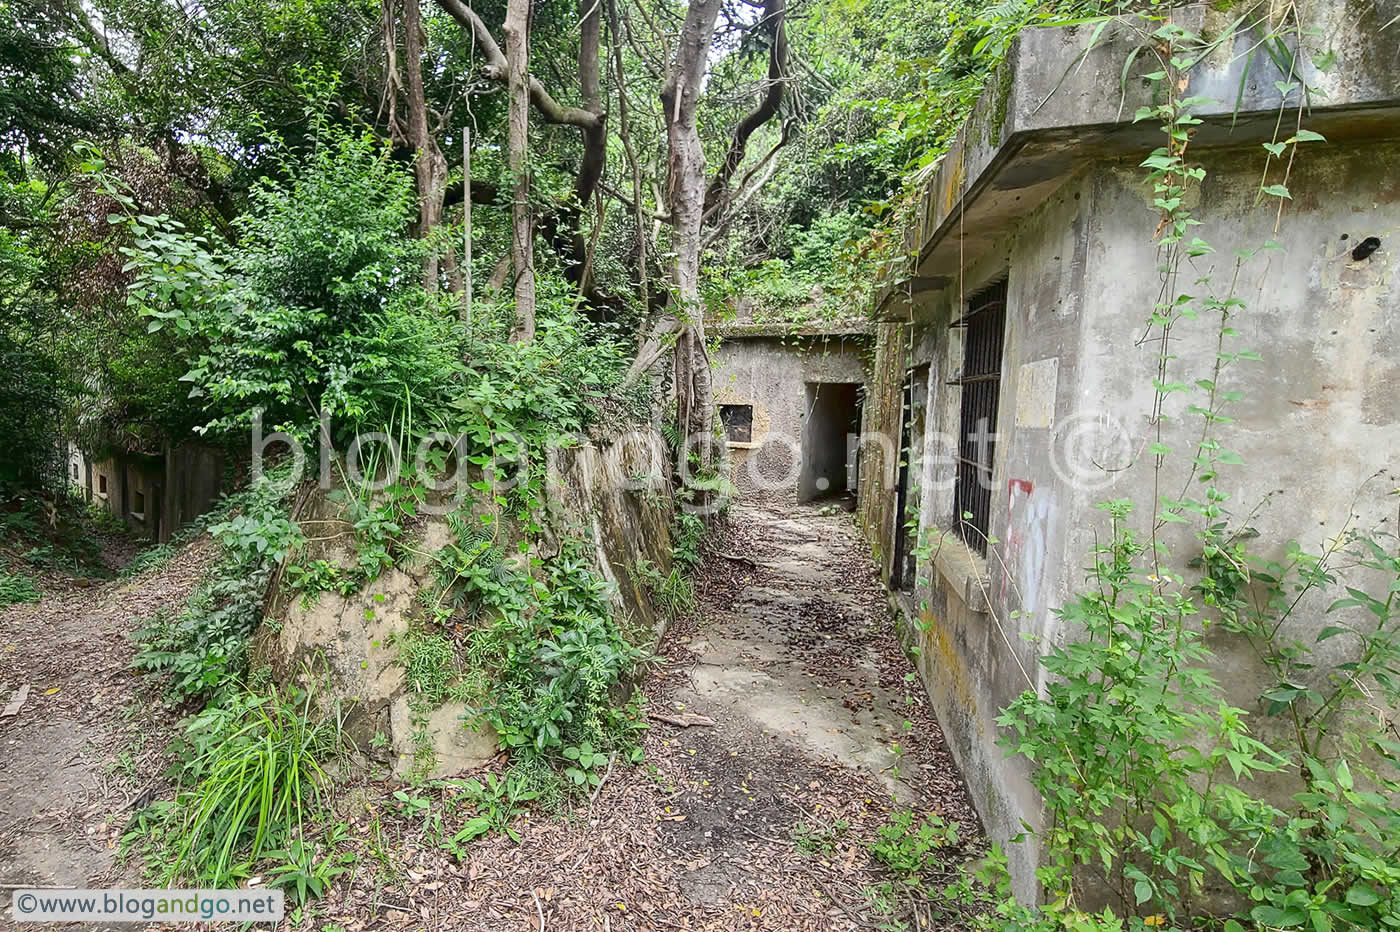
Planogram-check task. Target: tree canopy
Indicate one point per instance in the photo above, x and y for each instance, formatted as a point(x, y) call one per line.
point(211, 208)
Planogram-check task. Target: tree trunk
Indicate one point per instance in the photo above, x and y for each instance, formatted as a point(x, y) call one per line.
point(694, 392)
point(429, 167)
point(624, 132)
point(559, 225)
point(522, 235)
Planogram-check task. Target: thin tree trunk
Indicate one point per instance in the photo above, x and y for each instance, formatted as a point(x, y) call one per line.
point(499, 274)
point(774, 19)
point(595, 139)
point(694, 392)
point(430, 167)
point(467, 294)
point(559, 225)
point(624, 132)
point(522, 236)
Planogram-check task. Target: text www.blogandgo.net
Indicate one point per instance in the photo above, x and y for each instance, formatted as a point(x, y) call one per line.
point(147, 905)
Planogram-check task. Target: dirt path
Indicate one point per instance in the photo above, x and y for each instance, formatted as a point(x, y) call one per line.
point(89, 738)
point(761, 822)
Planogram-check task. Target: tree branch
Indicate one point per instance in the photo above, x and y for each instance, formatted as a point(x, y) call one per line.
point(429, 164)
point(775, 15)
point(744, 192)
point(551, 111)
point(561, 225)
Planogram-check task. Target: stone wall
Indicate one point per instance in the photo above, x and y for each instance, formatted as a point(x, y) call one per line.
point(614, 497)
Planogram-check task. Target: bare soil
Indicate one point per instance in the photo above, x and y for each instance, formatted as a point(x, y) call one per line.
point(86, 749)
point(820, 733)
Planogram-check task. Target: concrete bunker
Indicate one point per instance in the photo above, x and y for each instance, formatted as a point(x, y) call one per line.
point(790, 398)
point(1014, 428)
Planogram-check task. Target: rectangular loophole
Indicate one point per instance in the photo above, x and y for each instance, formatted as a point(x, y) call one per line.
point(738, 422)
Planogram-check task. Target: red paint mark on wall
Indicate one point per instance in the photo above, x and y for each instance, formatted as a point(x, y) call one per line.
point(1028, 520)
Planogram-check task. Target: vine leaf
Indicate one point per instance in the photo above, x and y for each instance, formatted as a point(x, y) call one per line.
point(1307, 135)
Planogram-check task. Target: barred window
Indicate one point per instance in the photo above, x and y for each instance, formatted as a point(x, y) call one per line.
point(985, 324)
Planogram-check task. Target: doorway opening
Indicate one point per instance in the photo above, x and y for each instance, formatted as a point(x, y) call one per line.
point(911, 440)
point(829, 434)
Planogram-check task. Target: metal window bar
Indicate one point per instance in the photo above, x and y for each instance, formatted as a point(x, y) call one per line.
point(985, 325)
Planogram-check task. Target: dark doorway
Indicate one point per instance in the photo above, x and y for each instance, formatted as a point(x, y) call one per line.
point(833, 419)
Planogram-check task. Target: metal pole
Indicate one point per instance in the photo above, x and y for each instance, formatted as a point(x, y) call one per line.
point(467, 226)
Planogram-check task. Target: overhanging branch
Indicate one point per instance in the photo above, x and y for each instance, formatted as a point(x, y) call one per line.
point(550, 110)
point(774, 15)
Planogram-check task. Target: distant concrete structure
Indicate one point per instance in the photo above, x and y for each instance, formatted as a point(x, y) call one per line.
point(789, 398)
point(1035, 274)
point(153, 493)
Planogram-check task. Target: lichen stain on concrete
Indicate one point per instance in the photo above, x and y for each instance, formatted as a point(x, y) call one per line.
point(948, 681)
point(952, 186)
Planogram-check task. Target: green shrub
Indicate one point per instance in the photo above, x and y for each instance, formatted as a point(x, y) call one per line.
point(1145, 769)
point(17, 588)
point(688, 533)
point(430, 667)
point(673, 592)
point(312, 310)
point(911, 848)
point(203, 649)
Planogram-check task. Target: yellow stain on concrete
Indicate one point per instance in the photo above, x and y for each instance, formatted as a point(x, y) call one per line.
point(944, 672)
point(952, 185)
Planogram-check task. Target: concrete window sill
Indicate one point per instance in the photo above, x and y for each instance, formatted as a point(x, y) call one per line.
point(741, 445)
point(962, 570)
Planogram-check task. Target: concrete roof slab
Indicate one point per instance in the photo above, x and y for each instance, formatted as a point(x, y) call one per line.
point(1059, 102)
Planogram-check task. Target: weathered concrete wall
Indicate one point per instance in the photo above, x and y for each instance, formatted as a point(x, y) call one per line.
point(129, 487)
point(1057, 105)
point(1318, 426)
point(772, 374)
point(616, 498)
point(1317, 421)
point(1043, 185)
point(880, 428)
point(194, 480)
point(173, 489)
